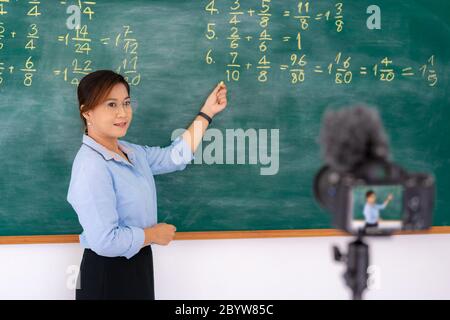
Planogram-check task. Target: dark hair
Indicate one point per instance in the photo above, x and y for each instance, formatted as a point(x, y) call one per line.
point(94, 88)
point(369, 193)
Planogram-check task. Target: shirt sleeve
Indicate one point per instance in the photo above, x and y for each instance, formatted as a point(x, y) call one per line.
point(168, 159)
point(92, 195)
point(366, 212)
point(380, 206)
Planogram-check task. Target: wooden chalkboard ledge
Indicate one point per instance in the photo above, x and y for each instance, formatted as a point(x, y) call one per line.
point(72, 238)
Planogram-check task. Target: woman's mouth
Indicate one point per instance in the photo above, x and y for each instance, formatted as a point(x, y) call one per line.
point(121, 124)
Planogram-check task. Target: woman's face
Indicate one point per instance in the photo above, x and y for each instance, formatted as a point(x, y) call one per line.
point(372, 198)
point(111, 118)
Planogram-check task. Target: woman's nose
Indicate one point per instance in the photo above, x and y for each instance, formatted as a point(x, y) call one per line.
point(121, 110)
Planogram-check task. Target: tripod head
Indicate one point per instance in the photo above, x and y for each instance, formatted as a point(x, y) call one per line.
point(357, 262)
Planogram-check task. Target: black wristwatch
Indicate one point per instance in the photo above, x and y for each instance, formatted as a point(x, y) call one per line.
point(204, 115)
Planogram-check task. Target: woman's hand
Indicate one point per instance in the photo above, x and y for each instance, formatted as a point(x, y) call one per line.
point(215, 103)
point(217, 100)
point(161, 233)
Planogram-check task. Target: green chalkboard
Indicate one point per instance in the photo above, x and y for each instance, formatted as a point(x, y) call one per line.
point(311, 56)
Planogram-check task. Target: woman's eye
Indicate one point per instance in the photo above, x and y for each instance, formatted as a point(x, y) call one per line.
point(127, 103)
point(111, 104)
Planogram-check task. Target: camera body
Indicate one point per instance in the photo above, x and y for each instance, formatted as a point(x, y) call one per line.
point(367, 193)
point(346, 194)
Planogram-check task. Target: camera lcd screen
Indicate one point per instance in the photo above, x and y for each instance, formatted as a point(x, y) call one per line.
point(376, 207)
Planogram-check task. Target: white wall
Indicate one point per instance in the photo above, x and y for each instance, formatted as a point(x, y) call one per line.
point(410, 267)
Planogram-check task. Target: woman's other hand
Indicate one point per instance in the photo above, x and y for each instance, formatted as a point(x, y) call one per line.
point(161, 233)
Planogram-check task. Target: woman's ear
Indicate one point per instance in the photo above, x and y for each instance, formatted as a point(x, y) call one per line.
point(86, 114)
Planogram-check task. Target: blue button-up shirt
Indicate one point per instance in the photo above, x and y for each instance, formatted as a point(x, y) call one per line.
point(372, 212)
point(115, 199)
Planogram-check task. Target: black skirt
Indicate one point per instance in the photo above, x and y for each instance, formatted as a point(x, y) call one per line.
point(104, 278)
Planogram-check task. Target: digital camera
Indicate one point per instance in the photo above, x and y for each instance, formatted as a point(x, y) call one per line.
point(365, 192)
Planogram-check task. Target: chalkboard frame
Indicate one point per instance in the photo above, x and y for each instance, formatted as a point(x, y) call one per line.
point(216, 235)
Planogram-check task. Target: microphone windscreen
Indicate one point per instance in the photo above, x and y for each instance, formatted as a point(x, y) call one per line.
point(350, 136)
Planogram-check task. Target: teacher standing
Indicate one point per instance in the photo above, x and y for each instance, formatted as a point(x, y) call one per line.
point(113, 191)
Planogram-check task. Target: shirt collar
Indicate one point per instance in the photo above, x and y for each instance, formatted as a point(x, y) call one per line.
point(108, 155)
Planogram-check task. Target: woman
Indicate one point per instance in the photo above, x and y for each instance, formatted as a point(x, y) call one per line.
point(113, 191)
